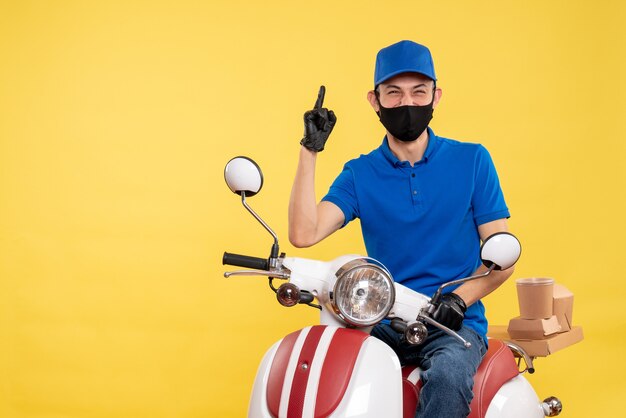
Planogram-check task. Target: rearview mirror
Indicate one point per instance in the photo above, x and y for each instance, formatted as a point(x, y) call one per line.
point(500, 250)
point(244, 177)
point(242, 174)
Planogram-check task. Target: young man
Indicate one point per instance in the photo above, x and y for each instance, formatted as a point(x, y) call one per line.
point(425, 203)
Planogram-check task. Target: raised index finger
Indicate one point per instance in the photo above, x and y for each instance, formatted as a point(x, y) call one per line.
point(320, 98)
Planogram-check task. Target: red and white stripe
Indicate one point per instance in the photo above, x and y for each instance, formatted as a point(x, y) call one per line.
point(411, 388)
point(412, 374)
point(311, 371)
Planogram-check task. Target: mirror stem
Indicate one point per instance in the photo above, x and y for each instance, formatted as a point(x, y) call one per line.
point(275, 248)
point(437, 294)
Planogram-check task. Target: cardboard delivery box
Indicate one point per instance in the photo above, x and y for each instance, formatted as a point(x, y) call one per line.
point(539, 348)
point(540, 336)
point(563, 306)
point(533, 329)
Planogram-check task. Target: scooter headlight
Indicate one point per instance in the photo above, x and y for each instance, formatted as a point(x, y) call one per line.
point(363, 294)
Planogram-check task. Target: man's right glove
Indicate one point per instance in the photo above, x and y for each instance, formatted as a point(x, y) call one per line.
point(318, 124)
point(450, 311)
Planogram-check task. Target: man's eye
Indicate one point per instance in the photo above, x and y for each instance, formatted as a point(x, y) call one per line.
point(392, 92)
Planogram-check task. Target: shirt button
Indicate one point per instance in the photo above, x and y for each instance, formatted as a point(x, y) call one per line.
point(413, 175)
point(414, 191)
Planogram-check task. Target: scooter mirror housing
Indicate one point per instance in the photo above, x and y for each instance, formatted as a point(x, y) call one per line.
point(243, 175)
point(500, 250)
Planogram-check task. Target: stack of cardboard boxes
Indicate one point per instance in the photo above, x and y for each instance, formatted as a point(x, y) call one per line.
point(545, 322)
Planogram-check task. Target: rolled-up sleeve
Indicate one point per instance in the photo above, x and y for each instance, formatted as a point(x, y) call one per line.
point(487, 200)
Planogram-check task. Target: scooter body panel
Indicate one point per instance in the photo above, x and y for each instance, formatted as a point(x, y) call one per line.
point(347, 373)
point(515, 399)
point(258, 405)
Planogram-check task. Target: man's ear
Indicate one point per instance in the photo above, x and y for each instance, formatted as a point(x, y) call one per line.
point(371, 97)
point(438, 94)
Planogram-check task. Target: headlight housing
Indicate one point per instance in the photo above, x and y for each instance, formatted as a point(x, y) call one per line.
point(363, 293)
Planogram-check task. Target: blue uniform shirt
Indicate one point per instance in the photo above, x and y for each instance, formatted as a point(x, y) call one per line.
point(421, 221)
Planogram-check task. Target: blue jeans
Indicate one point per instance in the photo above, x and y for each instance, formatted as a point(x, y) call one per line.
point(448, 368)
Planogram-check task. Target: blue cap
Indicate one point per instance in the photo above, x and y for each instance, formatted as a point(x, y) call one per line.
point(403, 57)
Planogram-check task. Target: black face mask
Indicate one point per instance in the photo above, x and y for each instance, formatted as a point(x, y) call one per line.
point(406, 122)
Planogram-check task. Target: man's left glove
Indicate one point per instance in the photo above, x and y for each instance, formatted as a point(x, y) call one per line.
point(318, 124)
point(450, 311)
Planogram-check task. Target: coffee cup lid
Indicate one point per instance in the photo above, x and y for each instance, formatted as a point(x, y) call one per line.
point(535, 281)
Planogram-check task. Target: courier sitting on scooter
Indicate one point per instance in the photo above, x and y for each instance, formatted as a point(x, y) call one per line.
point(425, 202)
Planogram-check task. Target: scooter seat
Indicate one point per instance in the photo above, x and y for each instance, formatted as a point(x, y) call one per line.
point(497, 368)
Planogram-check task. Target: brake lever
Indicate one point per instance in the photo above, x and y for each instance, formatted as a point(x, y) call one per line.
point(445, 329)
point(264, 273)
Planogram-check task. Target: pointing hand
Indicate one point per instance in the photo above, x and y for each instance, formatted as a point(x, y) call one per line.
point(318, 124)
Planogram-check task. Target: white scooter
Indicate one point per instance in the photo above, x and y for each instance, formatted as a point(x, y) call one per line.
point(336, 369)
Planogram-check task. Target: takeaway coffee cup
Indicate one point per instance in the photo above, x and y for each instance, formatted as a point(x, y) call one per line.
point(535, 297)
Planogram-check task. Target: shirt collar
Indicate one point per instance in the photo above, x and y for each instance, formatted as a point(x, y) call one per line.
point(433, 144)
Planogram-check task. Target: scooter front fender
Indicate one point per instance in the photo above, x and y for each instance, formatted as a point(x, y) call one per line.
point(328, 372)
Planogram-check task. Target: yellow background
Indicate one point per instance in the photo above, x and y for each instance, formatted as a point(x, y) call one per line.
point(116, 120)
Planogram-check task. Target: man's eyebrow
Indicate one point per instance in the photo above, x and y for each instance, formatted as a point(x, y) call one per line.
point(393, 86)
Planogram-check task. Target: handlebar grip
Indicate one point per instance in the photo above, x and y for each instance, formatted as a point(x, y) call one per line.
point(245, 261)
point(398, 325)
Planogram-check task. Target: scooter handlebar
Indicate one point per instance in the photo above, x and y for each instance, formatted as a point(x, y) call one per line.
point(245, 261)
